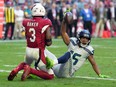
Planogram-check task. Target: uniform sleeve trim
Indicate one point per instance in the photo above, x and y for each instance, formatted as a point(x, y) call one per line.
point(88, 51)
point(44, 28)
point(73, 42)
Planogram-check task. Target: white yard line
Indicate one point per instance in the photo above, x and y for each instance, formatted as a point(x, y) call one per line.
point(6, 71)
point(12, 41)
point(53, 46)
point(83, 77)
point(23, 40)
point(95, 78)
point(10, 65)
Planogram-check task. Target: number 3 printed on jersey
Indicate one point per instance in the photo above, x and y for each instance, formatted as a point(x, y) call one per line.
point(33, 37)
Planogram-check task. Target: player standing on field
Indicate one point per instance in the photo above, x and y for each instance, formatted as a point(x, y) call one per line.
point(38, 36)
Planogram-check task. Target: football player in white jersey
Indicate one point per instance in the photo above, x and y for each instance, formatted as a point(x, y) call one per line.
point(79, 50)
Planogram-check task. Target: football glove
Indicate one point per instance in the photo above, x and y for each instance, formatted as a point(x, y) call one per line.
point(103, 76)
point(69, 10)
point(49, 63)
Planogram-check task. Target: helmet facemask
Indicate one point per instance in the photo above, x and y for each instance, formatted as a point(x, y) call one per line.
point(84, 34)
point(84, 45)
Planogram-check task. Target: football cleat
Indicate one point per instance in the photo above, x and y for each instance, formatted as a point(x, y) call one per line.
point(26, 72)
point(12, 74)
point(49, 63)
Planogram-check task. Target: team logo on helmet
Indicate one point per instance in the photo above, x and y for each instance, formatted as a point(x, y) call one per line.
point(38, 10)
point(86, 34)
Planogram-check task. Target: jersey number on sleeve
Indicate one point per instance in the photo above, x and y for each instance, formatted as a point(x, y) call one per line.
point(33, 37)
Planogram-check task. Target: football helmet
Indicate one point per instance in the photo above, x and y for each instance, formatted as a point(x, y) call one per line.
point(38, 10)
point(86, 34)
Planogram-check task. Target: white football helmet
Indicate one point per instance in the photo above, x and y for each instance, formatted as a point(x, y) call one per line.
point(38, 10)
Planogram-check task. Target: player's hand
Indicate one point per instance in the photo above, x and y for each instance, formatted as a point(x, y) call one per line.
point(69, 10)
point(103, 76)
point(68, 18)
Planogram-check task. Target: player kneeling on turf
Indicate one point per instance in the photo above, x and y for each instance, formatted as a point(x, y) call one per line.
point(38, 36)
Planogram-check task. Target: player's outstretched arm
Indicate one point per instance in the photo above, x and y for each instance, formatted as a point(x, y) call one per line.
point(64, 34)
point(67, 19)
point(95, 67)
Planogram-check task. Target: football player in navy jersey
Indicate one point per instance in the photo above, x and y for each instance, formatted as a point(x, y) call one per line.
point(38, 36)
point(79, 50)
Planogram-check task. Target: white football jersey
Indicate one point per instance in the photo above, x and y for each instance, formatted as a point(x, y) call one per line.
point(77, 59)
point(78, 54)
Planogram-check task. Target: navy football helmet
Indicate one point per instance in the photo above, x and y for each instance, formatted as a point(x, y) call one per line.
point(86, 34)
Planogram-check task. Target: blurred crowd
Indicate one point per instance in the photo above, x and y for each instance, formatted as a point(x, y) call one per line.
point(98, 16)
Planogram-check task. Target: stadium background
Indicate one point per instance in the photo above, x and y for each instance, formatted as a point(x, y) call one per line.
point(1, 17)
point(24, 3)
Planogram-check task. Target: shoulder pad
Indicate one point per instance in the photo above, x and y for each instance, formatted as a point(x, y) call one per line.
point(89, 49)
point(74, 41)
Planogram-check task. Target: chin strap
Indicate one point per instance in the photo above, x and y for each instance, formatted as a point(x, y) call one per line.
point(81, 45)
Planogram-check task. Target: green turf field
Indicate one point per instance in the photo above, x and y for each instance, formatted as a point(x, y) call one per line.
point(12, 53)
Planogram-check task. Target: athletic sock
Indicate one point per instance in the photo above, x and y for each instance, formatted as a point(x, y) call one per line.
point(20, 66)
point(41, 74)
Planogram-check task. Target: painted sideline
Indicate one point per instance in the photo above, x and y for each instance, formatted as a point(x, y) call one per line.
point(83, 77)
